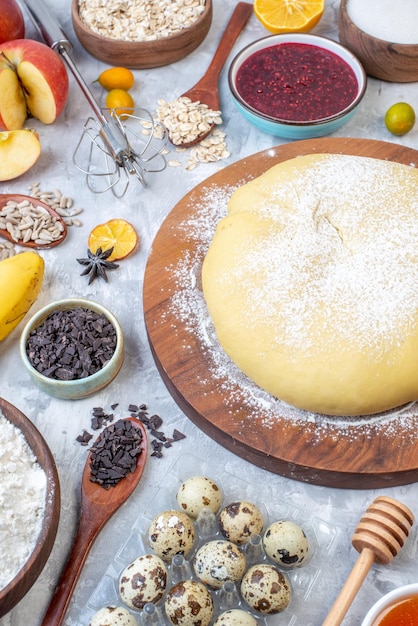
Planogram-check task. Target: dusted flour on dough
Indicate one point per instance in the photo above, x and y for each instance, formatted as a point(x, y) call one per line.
point(22, 500)
point(311, 281)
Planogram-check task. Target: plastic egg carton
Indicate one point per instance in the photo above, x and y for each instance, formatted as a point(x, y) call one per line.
point(306, 580)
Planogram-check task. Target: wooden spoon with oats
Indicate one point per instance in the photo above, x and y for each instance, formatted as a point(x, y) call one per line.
point(206, 91)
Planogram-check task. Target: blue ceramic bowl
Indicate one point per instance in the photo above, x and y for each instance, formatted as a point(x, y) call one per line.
point(82, 387)
point(297, 129)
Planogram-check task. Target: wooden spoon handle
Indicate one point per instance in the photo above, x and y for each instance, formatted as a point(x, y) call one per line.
point(86, 534)
point(238, 20)
point(350, 588)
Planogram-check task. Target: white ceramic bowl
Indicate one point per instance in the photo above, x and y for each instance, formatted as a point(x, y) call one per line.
point(77, 388)
point(389, 600)
point(297, 129)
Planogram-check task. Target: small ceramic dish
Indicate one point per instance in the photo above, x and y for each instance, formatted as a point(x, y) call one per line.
point(29, 573)
point(297, 86)
point(143, 54)
point(390, 61)
point(78, 387)
point(394, 604)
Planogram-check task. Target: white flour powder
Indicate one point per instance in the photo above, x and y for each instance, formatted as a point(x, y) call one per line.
point(22, 500)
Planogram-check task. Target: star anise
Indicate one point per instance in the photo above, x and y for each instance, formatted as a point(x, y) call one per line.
point(97, 264)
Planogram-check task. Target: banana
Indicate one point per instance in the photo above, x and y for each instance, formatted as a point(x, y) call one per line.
point(20, 282)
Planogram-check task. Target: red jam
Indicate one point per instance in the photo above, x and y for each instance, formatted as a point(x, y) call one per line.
point(296, 82)
point(405, 613)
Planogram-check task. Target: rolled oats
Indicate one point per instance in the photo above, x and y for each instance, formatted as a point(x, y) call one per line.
point(139, 20)
point(186, 120)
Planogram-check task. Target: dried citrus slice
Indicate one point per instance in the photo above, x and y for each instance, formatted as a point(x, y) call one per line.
point(289, 16)
point(117, 234)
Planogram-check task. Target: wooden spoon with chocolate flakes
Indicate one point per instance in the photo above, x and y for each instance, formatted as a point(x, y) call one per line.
point(113, 469)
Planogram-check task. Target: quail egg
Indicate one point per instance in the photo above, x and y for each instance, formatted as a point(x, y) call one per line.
point(144, 580)
point(171, 532)
point(199, 492)
point(189, 603)
point(265, 589)
point(113, 616)
point(286, 544)
point(217, 562)
point(239, 520)
point(235, 617)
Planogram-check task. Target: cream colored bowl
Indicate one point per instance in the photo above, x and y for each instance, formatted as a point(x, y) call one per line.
point(79, 388)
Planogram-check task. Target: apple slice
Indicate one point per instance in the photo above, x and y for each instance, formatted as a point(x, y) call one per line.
point(13, 107)
point(41, 82)
point(19, 150)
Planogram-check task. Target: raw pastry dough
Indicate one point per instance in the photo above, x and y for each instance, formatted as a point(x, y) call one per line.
point(311, 281)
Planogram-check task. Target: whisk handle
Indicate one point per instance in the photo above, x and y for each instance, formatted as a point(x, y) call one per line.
point(47, 24)
point(350, 588)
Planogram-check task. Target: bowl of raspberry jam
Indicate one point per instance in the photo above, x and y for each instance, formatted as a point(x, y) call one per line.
point(297, 86)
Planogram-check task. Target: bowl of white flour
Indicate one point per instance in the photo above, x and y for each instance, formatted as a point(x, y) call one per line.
point(29, 505)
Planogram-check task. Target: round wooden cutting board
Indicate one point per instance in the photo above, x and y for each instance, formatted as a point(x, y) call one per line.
point(341, 452)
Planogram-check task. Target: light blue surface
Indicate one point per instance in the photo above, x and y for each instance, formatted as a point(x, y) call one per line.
point(288, 131)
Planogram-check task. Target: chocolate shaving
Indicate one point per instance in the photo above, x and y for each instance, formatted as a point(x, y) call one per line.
point(160, 440)
point(114, 455)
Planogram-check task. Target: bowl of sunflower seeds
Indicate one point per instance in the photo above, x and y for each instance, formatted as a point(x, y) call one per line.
point(72, 348)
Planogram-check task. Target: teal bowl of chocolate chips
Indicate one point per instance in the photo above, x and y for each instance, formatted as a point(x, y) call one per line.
point(72, 348)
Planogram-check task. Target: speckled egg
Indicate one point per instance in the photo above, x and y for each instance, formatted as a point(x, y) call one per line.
point(217, 562)
point(286, 544)
point(189, 603)
point(113, 616)
point(144, 580)
point(235, 617)
point(170, 533)
point(239, 520)
point(265, 589)
point(199, 492)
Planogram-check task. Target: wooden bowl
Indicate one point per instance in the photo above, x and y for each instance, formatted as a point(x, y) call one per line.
point(23, 581)
point(393, 62)
point(143, 54)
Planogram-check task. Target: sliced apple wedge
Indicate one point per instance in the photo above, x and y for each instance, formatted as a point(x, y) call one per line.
point(13, 107)
point(41, 83)
point(19, 150)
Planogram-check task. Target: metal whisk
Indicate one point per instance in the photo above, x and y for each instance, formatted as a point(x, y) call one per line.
point(115, 150)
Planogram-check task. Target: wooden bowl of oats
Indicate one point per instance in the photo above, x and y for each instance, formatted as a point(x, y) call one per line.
point(145, 35)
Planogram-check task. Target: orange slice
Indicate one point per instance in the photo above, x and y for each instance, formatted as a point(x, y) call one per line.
point(117, 234)
point(289, 16)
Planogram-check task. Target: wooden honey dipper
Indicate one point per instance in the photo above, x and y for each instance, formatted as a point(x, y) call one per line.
point(378, 537)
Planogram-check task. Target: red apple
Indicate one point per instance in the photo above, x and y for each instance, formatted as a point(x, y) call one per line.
point(33, 81)
point(19, 150)
point(12, 24)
